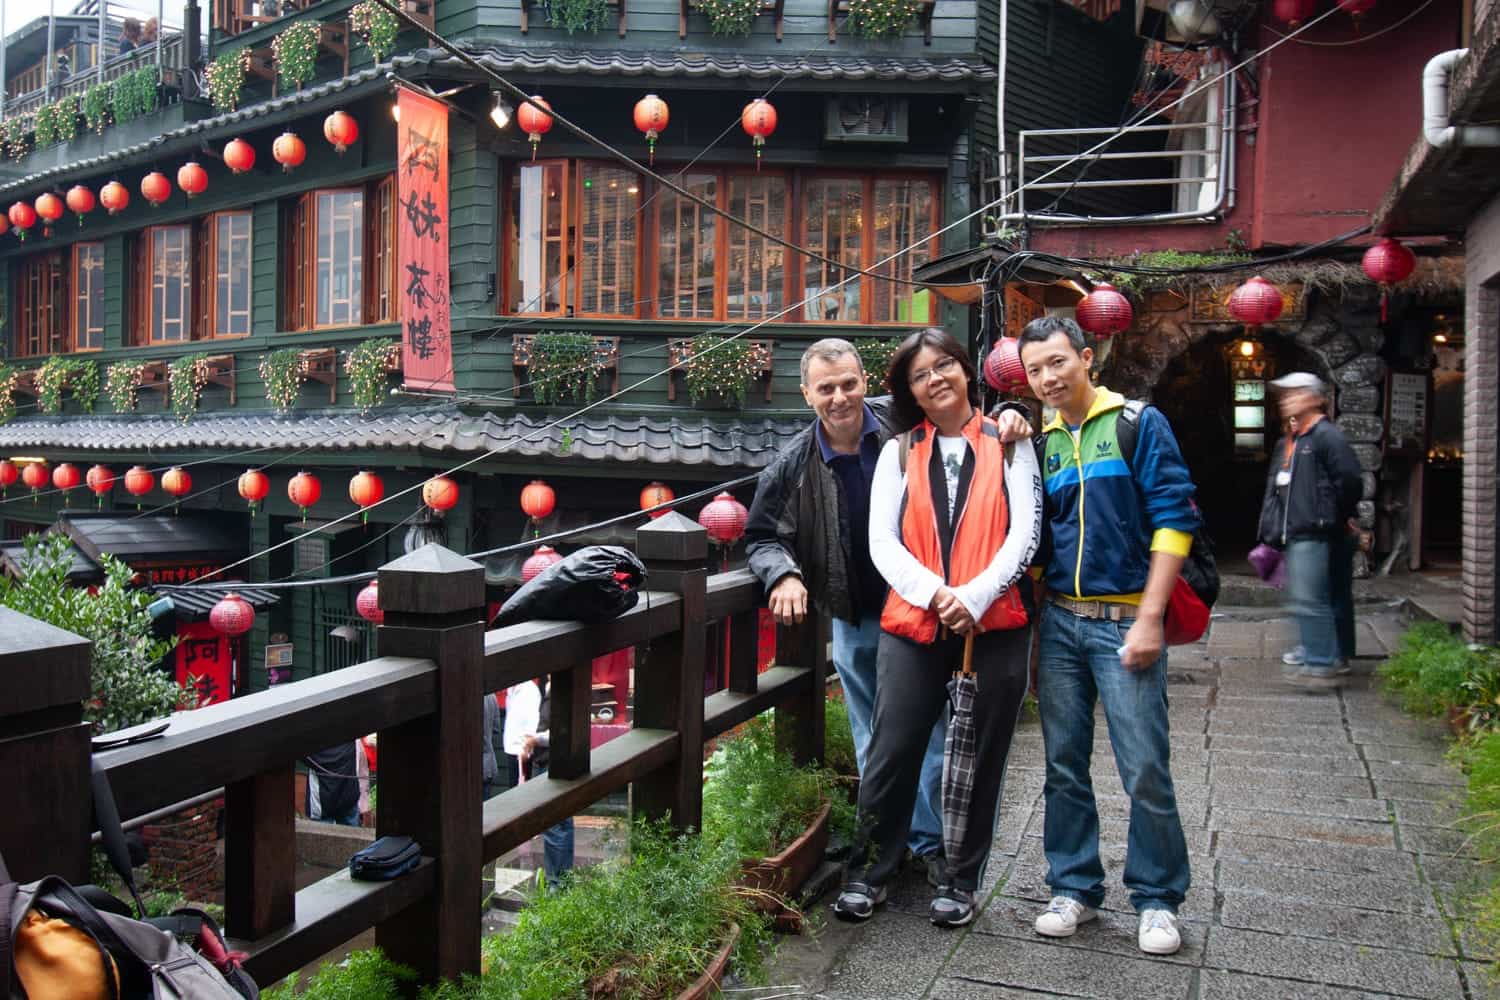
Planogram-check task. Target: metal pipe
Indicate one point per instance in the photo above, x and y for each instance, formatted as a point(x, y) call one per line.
point(1083, 158)
point(1436, 125)
point(1003, 64)
point(151, 817)
point(1118, 129)
point(103, 34)
point(51, 47)
point(1123, 182)
point(2, 62)
point(161, 28)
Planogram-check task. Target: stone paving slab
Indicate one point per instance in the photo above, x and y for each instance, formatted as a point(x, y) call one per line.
point(1312, 744)
point(1395, 894)
point(1112, 931)
point(894, 955)
point(1337, 831)
point(1278, 800)
point(1048, 969)
point(1358, 966)
point(1405, 755)
point(1443, 841)
point(1215, 985)
point(1438, 812)
point(1432, 774)
point(1418, 790)
point(1308, 784)
point(1289, 763)
point(1425, 933)
point(1341, 858)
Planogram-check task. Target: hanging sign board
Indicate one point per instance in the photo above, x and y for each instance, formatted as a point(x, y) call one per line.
point(203, 662)
point(1020, 309)
point(1406, 412)
point(422, 241)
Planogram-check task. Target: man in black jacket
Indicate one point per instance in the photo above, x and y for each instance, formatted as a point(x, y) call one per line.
point(1313, 488)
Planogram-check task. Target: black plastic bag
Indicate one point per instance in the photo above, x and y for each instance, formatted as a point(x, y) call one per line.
point(594, 584)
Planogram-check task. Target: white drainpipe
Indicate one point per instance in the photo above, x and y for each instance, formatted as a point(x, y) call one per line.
point(1435, 122)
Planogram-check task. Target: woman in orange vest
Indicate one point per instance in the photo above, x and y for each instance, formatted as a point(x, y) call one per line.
point(955, 517)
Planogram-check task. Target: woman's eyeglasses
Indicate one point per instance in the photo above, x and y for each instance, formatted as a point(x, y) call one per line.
point(945, 368)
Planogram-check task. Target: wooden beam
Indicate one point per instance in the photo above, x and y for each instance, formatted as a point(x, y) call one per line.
point(727, 709)
point(260, 856)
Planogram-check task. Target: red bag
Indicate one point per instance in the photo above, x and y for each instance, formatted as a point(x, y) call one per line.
point(1187, 616)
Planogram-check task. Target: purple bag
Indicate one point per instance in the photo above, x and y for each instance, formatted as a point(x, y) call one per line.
point(1269, 564)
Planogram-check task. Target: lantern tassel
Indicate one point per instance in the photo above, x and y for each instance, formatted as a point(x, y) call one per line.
point(1385, 301)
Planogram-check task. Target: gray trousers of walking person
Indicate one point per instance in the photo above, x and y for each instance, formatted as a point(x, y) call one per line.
point(911, 693)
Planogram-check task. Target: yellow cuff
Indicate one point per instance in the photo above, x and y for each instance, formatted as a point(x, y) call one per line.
point(1172, 542)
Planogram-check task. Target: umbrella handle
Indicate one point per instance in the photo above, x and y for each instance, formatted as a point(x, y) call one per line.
point(968, 670)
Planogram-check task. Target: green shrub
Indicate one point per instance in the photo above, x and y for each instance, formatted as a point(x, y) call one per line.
point(564, 366)
point(96, 101)
point(1430, 670)
point(876, 356)
point(366, 975)
point(134, 94)
point(838, 738)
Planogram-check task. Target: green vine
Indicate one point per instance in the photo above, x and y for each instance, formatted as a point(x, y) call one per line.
point(121, 380)
point(95, 104)
point(186, 378)
point(57, 122)
point(721, 368)
point(84, 379)
point(281, 373)
point(134, 94)
point(16, 143)
point(729, 17)
point(295, 52)
point(377, 26)
point(8, 376)
point(876, 356)
point(882, 19)
point(367, 366)
point(564, 366)
point(578, 15)
point(1167, 260)
point(49, 381)
point(226, 78)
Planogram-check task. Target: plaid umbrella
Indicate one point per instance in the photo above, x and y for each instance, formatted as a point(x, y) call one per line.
point(959, 751)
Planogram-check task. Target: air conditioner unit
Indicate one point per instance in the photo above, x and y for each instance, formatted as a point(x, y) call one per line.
point(865, 118)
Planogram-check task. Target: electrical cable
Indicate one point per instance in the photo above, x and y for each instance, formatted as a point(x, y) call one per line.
point(1359, 39)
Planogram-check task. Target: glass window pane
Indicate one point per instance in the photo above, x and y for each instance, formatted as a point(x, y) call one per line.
point(538, 242)
point(755, 286)
point(339, 282)
point(1249, 391)
point(685, 250)
point(609, 201)
point(903, 215)
point(1249, 418)
point(833, 224)
point(232, 274)
point(171, 283)
point(1249, 442)
point(88, 296)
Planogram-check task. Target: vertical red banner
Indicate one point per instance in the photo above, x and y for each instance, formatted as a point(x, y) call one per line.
point(203, 662)
point(422, 241)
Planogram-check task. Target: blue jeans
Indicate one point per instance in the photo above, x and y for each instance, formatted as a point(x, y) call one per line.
point(557, 847)
point(854, 649)
point(1309, 579)
point(1078, 666)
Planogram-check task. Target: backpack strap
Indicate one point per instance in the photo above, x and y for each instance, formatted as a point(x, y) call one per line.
point(903, 449)
point(1128, 428)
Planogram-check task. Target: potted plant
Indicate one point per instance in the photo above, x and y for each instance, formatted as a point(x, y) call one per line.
point(84, 379)
point(876, 356)
point(720, 368)
point(49, 381)
point(17, 144)
point(729, 17)
point(882, 19)
point(376, 26)
point(226, 78)
point(367, 365)
point(578, 15)
point(55, 123)
point(134, 94)
point(95, 104)
point(186, 378)
point(281, 373)
point(295, 52)
point(120, 383)
point(564, 366)
point(8, 376)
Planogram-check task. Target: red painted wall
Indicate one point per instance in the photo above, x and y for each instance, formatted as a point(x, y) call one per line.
point(1321, 146)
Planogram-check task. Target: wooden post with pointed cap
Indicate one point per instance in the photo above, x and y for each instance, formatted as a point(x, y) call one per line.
point(669, 684)
point(431, 773)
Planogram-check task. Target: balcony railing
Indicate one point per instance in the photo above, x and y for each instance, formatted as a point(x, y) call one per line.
point(170, 59)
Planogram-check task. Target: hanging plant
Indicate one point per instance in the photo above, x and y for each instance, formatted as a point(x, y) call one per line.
point(295, 52)
point(729, 17)
point(49, 381)
point(8, 377)
point(882, 19)
point(186, 378)
point(120, 383)
point(564, 366)
point(16, 142)
point(578, 15)
point(367, 366)
point(377, 27)
point(134, 94)
point(226, 78)
point(57, 122)
point(84, 380)
point(722, 368)
point(281, 373)
point(95, 104)
point(876, 356)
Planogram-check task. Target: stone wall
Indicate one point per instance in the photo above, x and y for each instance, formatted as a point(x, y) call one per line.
point(184, 852)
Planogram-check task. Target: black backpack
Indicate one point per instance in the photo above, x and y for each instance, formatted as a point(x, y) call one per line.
point(1199, 568)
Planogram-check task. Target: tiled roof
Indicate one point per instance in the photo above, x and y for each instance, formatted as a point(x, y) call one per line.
point(729, 442)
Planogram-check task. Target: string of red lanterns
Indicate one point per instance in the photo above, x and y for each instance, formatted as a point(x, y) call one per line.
point(100, 480)
point(239, 156)
point(654, 495)
point(192, 178)
point(254, 485)
point(1293, 12)
point(367, 603)
point(232, 615)
point(35, 476)
point(80, 201)
point(1256, 302)
point(1387, 263)
point(758, 119)
point(289, 151)
point(50, 208)
point(155, 188)
point(8, 475)
point(66, 478)
point(341, 130)
point(176, 483)
point(1003, 369)
point(303, 489)
point(366, 490)
point(139, 481)
point(440, 494)
point(22, 217)
point(115, 197)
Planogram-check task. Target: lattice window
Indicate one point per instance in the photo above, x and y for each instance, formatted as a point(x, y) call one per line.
point(41, 305)
point(167, 266)
point(230, 249)
point(755, 275)
point(88, 296)
point(537, 239)
point(686, 250)
point(382, 306)
point(609, 200)
point(339, 258)
point(833, 227)
point(903, 214)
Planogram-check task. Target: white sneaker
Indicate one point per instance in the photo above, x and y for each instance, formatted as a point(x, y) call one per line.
point(1158, 932)
point(1294, 657)
point(1063, 916)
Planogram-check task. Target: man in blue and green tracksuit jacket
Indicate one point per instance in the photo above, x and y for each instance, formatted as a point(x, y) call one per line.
point(1120, 527)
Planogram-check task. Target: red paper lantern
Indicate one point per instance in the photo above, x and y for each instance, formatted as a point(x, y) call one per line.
point(759, 121)
point(544, 556)
point(138, 482)
point(304, 490)
point(101, 480)
point(50, 207)
point(1003, 369)
point(114, 196)
point(155, 188)
point(724, 519)
point(654, 495)
point(232, 615)
point(1104, 312)
point(35, 475)
point(538, 500)
point(1255, 302)
point(651, 116)
point(1387, 263)
point(8, 474)
point(368, 603)
point(289, 151)
point(440, 493)
point(239, 156)
point(176, 482)
point(534, 120)
point(66, 478)
point(192, 178)
point(80, 201)
point(253, 486)
point(22, 216)
point(341, 129)
point(366, 490)
point(1293, 12)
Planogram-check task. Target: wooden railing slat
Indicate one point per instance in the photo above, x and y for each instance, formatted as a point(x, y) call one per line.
point(724, 710)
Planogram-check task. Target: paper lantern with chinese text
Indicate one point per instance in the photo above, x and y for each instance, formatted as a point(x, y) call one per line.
point(8, 475)
point(1003, 369)
point(534, 120)
point(254, 485)
point(538, 500)
point(192, 178)
point(341, 129)
point(232, 615)
point(114, 196)
point(723, 518)
point(304, 490)
point(50, 207)
point(651, 116)
point(81, 201)
point(367, 603)
point(138, 482)
point(440, 493)
point(1387, 263)
point(544, 556)
point(1104, 312)
point(66, 478)
point(654, 495)
point(101, 480)
point(22, 217)
point(1293, 12)
point(289, 151)
point(239, 156)
point(758, 119)
point(1256, 302)
point(366, 490)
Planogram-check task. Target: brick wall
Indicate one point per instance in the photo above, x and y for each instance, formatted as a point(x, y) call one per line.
point(1481, 424)
point(183, 850)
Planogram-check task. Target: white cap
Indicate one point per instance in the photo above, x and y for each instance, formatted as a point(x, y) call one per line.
point(1300, 380)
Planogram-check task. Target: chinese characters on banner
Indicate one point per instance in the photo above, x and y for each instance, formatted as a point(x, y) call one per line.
point(422, 240)
point(203, 662)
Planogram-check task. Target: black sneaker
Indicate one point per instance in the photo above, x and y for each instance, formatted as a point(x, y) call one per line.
point(858, 901)
point(953, 907)
point(937, 872)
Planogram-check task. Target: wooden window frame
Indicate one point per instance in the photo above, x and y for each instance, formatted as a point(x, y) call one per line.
point(381, 253)
point(575, 278)
point(52, 325)
point(207, 319)
point(790, 274)
point(75, 296)
point(510, 238)
point(143, 308)
point(379, 262)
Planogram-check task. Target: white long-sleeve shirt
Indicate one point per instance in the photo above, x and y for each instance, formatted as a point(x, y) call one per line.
point(916, 583)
